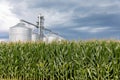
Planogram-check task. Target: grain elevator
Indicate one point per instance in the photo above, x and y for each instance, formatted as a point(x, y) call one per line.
point(21, 32)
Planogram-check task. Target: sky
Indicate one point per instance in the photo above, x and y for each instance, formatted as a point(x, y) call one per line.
point(73, 19)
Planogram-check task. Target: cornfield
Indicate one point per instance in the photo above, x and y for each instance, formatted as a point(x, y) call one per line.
point(67, 60)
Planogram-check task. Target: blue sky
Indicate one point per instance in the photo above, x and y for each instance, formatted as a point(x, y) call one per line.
point(73, 19)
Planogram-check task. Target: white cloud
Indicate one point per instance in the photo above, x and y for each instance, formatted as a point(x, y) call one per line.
point(24, 9)
point(88, 8)
point(92, 29)
point(7, 18)
point(52, 16)
point(11, 12)
point(99, 29)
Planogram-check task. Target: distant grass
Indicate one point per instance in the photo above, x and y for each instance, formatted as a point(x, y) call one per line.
point(67, 60)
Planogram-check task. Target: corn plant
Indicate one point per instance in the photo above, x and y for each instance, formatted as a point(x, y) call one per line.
point(66, 60)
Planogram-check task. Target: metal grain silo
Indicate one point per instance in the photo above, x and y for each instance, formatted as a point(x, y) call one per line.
point(52, 37)
point(20, 32)
point(35, 37)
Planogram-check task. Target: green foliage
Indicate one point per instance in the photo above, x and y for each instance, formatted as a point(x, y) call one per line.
point(67, 60)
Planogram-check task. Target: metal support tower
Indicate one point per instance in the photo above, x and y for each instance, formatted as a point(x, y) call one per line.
point(41, 26)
